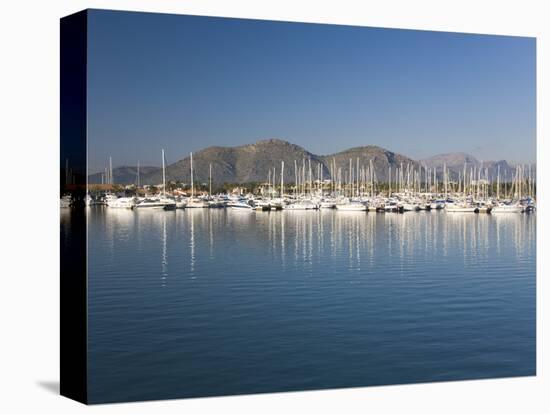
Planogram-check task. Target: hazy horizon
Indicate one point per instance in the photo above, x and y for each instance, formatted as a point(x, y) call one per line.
point(184, 83)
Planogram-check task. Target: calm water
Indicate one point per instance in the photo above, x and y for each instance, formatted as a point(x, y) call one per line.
point(213, 302)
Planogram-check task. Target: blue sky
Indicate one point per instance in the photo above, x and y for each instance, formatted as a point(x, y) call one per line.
point(184, 83)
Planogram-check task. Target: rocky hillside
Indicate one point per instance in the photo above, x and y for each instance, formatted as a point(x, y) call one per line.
point(381, 158)
point(246, 163)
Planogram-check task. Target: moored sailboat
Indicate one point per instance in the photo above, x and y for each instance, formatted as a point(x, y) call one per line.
point(194, 202)
point(162, 201)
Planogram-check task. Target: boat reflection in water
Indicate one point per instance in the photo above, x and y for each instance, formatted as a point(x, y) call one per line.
point(203, 302)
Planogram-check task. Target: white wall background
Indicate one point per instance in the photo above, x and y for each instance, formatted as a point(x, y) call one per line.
point(29, 129)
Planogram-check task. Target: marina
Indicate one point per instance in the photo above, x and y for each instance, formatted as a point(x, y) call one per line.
point(252, 206)
point(353, 272)
point(355, 189)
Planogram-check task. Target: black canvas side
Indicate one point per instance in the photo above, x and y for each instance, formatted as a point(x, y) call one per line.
point(73, 268)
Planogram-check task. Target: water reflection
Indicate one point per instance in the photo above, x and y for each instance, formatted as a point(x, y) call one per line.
point(353, 242)
point(65, 227)
point(234, 301)
point(164, 265)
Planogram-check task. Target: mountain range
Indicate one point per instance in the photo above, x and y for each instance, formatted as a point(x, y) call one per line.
point(456, 161)
point(123, 175)
point(252, 163)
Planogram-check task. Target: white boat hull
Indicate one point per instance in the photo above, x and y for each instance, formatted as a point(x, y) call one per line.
point(351, 207)
point(165, 204)
point(121, 203)
point(301, 207)
point(462, 210)
point(506, 209)
point(240, 206)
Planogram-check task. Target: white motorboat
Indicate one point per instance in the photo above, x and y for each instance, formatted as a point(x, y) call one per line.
point(109, 198)
point(408, 207)
point(216, 203)
point(353, 206)
point(326, 204)
point(391, 206)
point(120, 202)
point(240, 205)
point(262, 205)
point(301, 205)
point(438, 205)
point(461, 208)
point(194, 202)
point(159, 203)
point(276, 203)
point(507, 208)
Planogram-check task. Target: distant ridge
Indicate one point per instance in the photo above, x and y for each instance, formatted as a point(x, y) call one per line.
point(455, 162)
point(452, 159)
point(123, 175)
point(253, 163)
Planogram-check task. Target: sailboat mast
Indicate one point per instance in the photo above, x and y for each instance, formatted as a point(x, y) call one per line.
point(464, 190)
point(371, 179)
point(192, 188)
point(350, 178)
point(498, 182)
point(303, 176)
point(445, 179)
point(389, 181)
point(335, 178)
point(163, 175)
point(310, 176)
point(357, 177)
point(111, 171)
point(295, 178)
point(321, 178)
point(210, 180)
point(269, 182)
point(274, 179)
point(282, 179)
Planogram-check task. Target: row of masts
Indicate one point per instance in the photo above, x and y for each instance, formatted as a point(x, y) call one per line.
point(360, 180)
point(107, 175)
